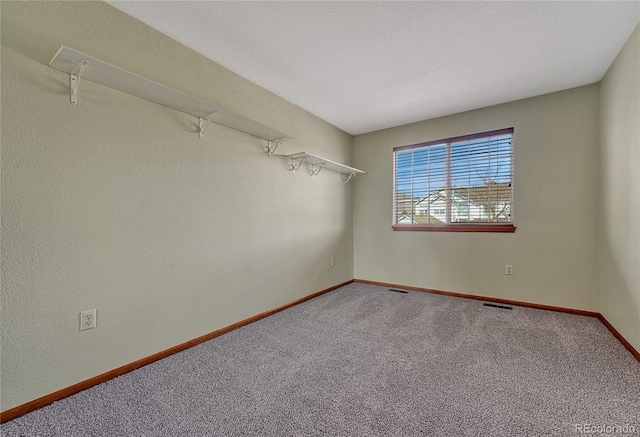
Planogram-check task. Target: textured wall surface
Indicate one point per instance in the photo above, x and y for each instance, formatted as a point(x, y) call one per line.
point(620, 192)
point(115, 203)
point(554, 249)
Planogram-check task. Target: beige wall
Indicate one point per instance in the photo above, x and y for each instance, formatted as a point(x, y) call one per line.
point(554, 249)
point(116, 205)
point(620, 192)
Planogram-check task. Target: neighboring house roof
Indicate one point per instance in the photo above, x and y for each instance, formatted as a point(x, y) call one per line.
point(406, 219)
point(419, 220)
point(426, 220)
point(432, 197)
point(439, 195)
point(493, 191)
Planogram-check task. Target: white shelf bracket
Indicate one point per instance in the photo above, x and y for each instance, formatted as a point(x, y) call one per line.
point(272, 145)
point(315, 168)
point(346, 178)
point(295, 164)
point(74, 81)
point(202, 127)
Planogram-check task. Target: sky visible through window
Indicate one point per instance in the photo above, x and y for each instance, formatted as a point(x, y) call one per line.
point(474, 163)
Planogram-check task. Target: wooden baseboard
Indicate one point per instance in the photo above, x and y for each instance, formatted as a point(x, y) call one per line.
point(619, 336)
point(484, 298)
point(83, 385)
point(599, 316)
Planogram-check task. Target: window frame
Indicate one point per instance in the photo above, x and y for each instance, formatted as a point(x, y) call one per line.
point(455, 226)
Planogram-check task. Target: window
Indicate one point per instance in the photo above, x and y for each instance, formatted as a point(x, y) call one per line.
point(456, 184)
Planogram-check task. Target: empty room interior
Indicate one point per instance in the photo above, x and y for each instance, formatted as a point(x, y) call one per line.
point(320, 218)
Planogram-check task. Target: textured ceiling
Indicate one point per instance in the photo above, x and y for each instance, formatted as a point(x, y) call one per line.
point(368, 65)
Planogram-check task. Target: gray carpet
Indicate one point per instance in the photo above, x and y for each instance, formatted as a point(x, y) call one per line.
point(365, 361)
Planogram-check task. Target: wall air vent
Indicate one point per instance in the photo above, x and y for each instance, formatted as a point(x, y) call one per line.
point(493, 305)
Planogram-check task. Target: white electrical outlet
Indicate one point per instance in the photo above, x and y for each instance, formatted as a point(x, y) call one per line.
point(509, 269)
point(87, 319)
point(332, 261)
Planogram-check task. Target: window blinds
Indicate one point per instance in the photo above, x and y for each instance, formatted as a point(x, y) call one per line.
point(462, 180)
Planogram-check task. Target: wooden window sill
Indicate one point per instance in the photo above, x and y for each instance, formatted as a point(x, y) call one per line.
point(456, 228)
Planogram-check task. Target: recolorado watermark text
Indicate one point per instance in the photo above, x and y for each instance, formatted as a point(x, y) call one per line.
point(590, 428)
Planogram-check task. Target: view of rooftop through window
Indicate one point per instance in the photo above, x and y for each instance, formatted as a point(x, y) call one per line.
point(461, 180)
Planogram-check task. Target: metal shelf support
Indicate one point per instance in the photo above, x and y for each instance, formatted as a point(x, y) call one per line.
point(296, 162)
point(74, 80)
point(202, 127)
point(315, 168)
point(346, 178)
point(272, 145)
